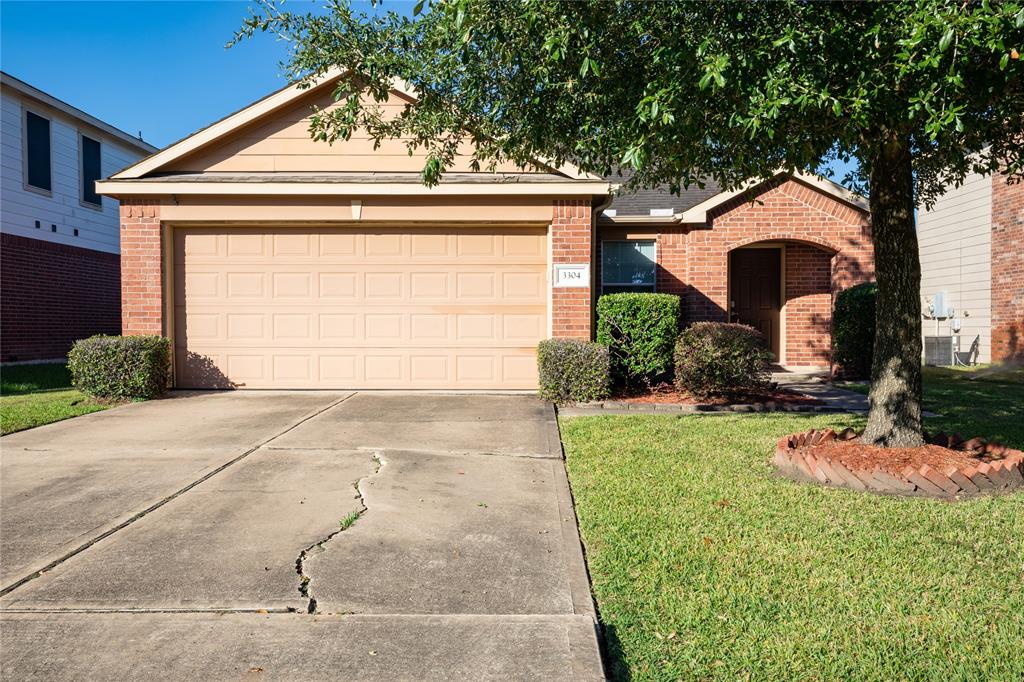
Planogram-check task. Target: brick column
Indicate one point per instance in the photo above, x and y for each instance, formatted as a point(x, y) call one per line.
point(571, 240)
point(1007, 270)
point(141, 268)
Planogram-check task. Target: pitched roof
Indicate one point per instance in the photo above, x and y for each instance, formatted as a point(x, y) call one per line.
point(659, 199)
point(693, 205)
point(274, 102)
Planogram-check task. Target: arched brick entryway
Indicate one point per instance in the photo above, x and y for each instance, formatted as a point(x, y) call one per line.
point(794, 310)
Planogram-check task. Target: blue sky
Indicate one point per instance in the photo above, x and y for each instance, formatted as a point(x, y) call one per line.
point(156, 67)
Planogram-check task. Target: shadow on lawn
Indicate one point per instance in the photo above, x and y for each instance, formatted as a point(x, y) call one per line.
point(615, 665)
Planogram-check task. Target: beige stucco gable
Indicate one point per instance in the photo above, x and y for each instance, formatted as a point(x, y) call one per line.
point(280, 142)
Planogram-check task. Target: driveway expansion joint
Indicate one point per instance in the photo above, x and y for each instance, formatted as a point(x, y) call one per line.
point(160, 503)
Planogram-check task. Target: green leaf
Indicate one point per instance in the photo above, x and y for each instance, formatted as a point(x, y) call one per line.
point(418, 7)
point(946, 40)
point(1003, 61)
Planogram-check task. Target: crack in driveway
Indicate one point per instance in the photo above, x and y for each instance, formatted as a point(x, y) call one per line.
point(178, 493)
point(343, 525)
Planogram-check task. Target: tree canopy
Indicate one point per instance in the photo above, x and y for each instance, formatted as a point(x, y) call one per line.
point(680, 91)
point(921, 92)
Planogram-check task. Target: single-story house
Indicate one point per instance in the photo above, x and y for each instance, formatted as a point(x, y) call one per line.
point(274, 261)
point(971, 243)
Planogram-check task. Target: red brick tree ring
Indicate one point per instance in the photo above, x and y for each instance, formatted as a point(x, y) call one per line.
point(947, 466)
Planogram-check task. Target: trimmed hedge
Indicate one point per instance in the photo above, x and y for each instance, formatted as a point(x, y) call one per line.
point(640, 331)
point(121, 367)
point(853, 330)
point(573, 371)
point(716, 359)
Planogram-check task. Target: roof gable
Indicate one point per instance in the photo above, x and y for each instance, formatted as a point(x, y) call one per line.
point(272, 136)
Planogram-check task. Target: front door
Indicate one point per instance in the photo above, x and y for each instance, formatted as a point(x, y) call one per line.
point(755, 286)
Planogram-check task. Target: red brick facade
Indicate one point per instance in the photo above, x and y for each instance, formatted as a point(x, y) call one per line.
point(53, 294)
point(571, 238)
point(827, 248)
point(141, 268)
point(1007, 270)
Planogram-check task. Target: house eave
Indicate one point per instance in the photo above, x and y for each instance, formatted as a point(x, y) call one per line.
point(119, 188)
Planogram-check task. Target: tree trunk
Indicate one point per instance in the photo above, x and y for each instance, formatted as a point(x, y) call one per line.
point(894, 419)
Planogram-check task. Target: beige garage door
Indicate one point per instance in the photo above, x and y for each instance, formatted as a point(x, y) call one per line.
point(291, 307)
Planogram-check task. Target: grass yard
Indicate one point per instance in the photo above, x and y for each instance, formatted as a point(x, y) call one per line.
point(985, 401)
point(707, 566)
point(33, 395)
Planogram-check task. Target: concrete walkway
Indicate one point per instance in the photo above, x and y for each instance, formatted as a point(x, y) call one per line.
point(840, 399)
point(294, 535)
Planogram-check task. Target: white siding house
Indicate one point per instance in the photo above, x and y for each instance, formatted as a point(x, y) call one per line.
point(59, 240)
point(955, 242)
point(63, 211)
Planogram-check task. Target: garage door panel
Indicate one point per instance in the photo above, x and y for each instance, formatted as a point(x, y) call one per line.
point(336, 308)
point(470, 246)
point(210, 328)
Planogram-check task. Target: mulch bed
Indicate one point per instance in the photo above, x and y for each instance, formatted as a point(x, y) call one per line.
point(667, 394)
point(947, 466)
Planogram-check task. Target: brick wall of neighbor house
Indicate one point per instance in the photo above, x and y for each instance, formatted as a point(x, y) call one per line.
point(1007, 270)
point(571, 237)
point(693, 260)
point(141, 268)
point(52, 294)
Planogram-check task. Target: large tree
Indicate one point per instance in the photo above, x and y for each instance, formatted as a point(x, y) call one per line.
point(921, 92)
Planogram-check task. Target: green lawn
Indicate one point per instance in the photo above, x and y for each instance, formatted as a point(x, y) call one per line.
point(33, 395)
point(707, 566)
point(985, 401)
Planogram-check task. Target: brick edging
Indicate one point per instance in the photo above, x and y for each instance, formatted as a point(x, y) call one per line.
point(701, 408)
point(795, 458)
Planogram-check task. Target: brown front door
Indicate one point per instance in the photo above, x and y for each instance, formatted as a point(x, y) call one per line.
point(755, 283)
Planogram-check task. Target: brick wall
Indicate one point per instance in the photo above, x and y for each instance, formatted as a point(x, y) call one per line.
point(141, 268)
point(571, 237)
point(808, 306)
point(52, 294)
point(1007, 270)
point(790, 211)
point(672, 262)
point(828, 248)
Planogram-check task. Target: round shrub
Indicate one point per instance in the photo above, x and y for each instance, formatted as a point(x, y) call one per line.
point(853, 330)
point(121, 367)
point(715, 359)
point(640, 331)
point(573, 371)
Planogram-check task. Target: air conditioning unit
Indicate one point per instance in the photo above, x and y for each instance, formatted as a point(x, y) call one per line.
point(938, 351)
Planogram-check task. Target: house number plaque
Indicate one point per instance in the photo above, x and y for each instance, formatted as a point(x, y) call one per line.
point(567, 276)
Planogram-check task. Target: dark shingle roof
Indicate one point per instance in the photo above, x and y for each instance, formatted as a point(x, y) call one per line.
point(641, 202)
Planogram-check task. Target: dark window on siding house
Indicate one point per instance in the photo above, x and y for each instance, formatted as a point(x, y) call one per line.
point(37, 151)
point(90, 170)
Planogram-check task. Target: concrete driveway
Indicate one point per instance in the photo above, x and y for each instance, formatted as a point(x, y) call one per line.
point(294, 535)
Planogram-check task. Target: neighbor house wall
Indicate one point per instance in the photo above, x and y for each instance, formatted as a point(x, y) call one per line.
point(51, 295)
point(1007, 270)
point(20, 208)
point(955, 242)
point(59, 260)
